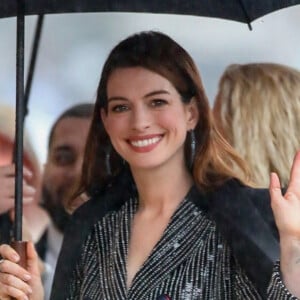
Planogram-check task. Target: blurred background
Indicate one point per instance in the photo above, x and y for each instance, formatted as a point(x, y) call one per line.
point(73, 48)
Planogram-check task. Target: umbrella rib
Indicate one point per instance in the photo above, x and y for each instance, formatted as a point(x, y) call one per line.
point(34, 52)
point(242, 4)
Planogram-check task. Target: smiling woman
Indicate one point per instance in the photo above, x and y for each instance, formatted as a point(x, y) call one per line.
point(169, 217)
point(69, 60)
point(142, 122)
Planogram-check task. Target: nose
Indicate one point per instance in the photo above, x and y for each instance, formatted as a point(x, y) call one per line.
point(141, 118)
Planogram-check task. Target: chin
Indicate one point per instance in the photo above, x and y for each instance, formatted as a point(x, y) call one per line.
point(145, 165)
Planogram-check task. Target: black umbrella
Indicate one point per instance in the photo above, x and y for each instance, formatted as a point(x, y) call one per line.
point(238, 10)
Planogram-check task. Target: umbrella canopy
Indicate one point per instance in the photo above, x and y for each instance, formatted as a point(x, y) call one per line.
point(237, 10)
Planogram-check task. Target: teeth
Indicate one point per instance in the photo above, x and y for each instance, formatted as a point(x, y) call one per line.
point(144, 143)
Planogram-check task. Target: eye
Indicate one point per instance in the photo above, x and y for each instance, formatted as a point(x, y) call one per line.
point(64, 158)
point(119, 108)
point(158, 102)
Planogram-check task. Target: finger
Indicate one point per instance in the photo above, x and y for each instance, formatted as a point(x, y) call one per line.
point(32, 260)
point(7, 171)
point(275, 188)
point(8, 186)
point(10, 280)
point(28, 190)
point(27, 173)
point(295, 173)
point(9, 292)
point(8, 267)
point(27, 200)
point(8, 253)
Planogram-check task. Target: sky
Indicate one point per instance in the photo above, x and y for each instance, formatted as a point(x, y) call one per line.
point(74, 46)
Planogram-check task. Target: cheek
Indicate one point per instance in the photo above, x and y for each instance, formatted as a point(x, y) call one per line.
point(116, 126)
point(171, 121)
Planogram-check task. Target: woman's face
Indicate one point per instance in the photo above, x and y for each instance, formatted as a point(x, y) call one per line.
point(146, 120)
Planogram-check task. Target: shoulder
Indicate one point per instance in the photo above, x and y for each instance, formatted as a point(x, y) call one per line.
point(77, 232)
point(235, 195)
point(235, 188)
point(231, 195)
point(97, 207)
point(103, 201)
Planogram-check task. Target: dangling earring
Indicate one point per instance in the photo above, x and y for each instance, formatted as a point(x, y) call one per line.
point(107, 162)
point(193, 147)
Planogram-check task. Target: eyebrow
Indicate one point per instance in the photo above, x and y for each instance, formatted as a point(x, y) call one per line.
point(154, 93)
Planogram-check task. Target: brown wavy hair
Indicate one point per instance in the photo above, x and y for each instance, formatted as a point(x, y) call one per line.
point(214, 159)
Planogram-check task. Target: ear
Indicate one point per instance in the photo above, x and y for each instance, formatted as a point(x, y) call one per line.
point(192, 114)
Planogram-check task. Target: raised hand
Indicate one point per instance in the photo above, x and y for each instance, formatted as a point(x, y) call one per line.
point(7, 187)
point(286, 209)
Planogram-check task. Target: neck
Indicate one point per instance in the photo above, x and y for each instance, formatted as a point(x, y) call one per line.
point(161, 190)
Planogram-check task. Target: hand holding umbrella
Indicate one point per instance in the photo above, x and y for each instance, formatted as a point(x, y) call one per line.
point(23, 284)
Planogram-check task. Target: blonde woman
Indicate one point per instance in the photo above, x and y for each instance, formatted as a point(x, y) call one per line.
point(257, 108)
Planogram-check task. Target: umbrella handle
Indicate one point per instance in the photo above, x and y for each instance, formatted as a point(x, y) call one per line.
point(20, 247)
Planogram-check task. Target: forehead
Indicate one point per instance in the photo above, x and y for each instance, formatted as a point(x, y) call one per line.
point(71, 131)
point(136, 79)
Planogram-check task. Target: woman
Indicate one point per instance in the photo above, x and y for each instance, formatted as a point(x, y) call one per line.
point(260, 100)
point(161, 182)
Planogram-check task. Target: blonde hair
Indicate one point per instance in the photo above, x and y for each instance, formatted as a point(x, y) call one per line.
point(258, 110)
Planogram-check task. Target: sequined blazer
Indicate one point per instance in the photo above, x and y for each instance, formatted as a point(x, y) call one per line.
point(241, 216)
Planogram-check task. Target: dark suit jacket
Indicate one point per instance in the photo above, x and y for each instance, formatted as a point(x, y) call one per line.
point(242, 214)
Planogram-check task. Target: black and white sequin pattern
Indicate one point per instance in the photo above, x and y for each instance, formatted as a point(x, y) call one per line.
point(191, 261)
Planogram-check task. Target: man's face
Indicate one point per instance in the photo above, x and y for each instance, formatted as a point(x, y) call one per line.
point(63, 166)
